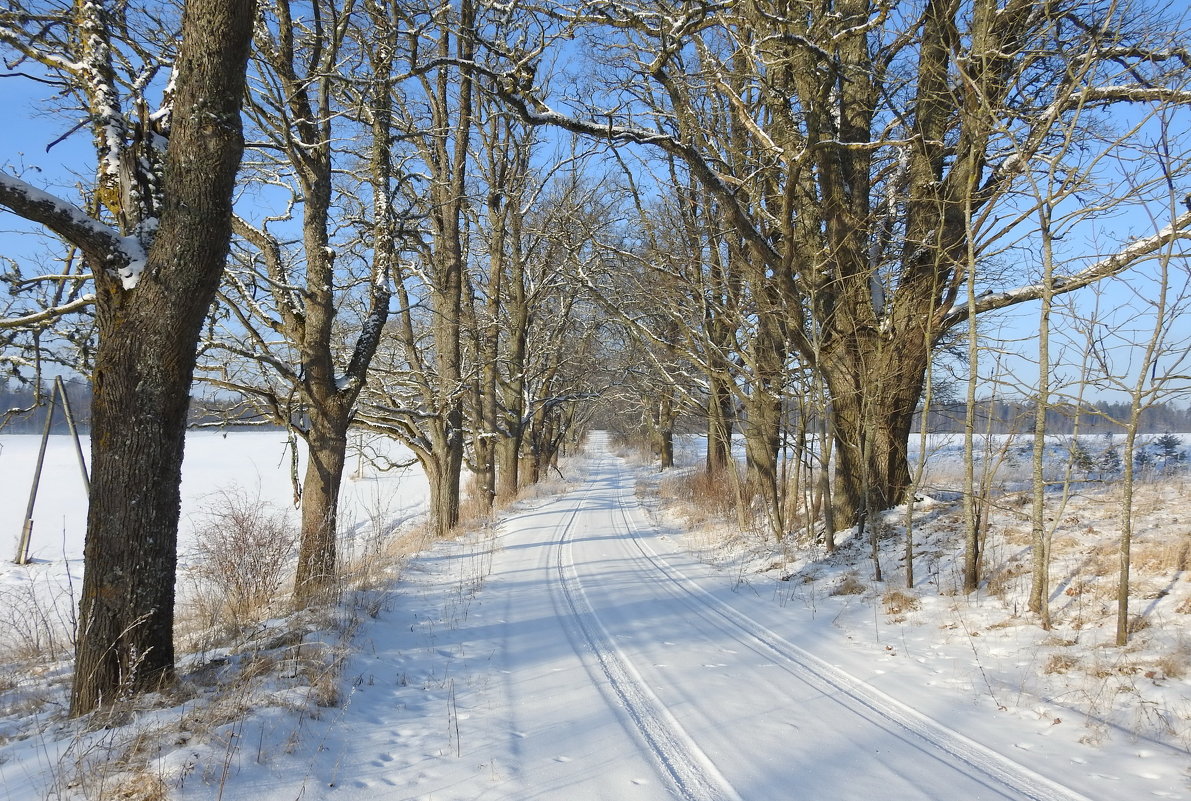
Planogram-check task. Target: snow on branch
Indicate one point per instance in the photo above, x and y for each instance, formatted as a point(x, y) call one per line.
point(123, 254)
point(47, 315)
point(1109, 266)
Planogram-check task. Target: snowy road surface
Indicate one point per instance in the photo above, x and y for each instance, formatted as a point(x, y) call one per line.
point(597, 660)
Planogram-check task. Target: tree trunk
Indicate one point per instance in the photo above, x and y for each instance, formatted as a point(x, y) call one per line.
point(872, 415)
point(327, 453)
point(531, 466)
point(666, 429)
point(762, 435)
point(508, 463)
point(719, 425)
point(144, 366)
point(443, 469)
point(138, 423)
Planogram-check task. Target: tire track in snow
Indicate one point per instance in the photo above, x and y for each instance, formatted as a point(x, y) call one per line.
point(694, 775)
point(1000, 772)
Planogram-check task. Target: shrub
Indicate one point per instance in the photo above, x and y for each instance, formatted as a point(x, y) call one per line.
point(898, 603)
point(849, 585)
point(242, 553)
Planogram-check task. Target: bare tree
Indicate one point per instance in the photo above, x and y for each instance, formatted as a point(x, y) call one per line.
point(156, 250)
point(285, 344)
point(1148, 366)
point(866, 149)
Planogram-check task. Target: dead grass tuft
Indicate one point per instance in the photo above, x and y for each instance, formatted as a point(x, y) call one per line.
point(899, 603)
point(1103, 559)
point(1174, 664)
point(703, 496)
point(1002, 582)
point(142, 786)
point(1165, 557)
point(849, 585)
point(1060, 663)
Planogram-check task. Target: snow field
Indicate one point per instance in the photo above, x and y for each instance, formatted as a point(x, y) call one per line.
point(587, 646)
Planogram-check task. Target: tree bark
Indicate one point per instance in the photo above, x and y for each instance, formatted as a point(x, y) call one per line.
point(443, 472)
point(873, 398)
point(326, 443)
point(719, 424)
point(665, 431)
point(144, 366)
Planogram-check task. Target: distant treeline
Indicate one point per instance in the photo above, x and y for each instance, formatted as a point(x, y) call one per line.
point(22, 412)
point(23, 408)
point(1015, 417)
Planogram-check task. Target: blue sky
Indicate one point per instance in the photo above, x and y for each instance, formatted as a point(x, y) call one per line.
point(1123, 303)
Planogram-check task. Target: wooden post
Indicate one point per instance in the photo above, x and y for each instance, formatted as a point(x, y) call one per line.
point(27, 529)
point(60, 385)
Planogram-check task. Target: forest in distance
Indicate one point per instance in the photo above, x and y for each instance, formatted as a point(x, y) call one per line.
point(23, 411)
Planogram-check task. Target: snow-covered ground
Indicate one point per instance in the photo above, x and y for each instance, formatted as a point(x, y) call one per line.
point(37, 600)
point(586, 646)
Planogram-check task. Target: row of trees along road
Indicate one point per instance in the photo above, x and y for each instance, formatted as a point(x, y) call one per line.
point(457, 222)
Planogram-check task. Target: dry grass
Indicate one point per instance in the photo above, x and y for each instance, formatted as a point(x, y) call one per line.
point(1177, 663)
point(1002, 582)
point(142, 786)
point(1060, 663)
point(702, 497)
point(899, 603)
point(1138, 623)
point(1167, 556)
point(380, 562)
point(849, 585)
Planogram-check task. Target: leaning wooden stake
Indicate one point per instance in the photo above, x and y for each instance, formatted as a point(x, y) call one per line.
point(74, 432)
point(27, 529)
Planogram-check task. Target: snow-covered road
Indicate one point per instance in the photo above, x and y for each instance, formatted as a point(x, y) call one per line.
point(597, 660)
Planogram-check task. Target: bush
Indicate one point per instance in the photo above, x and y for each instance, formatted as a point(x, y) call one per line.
point(243, 551)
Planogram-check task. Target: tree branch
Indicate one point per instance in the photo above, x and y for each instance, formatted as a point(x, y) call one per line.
point(1111, 265)
point(102, 244)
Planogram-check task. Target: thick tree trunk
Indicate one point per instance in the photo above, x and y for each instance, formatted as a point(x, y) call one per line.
point(144, 366)
point(485, 472)
point(666, 429)
point(531, 465)
point(719, 425)
point(872, 414)
point(762, 435)
point(443, 469)
point(138, 422)
point(508, 463)
point(327, 453)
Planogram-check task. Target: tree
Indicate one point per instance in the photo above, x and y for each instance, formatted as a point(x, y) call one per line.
point(156, 250)
point(284, 306)
point(420, 387)
point(1169, 447)
point(868, 167)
